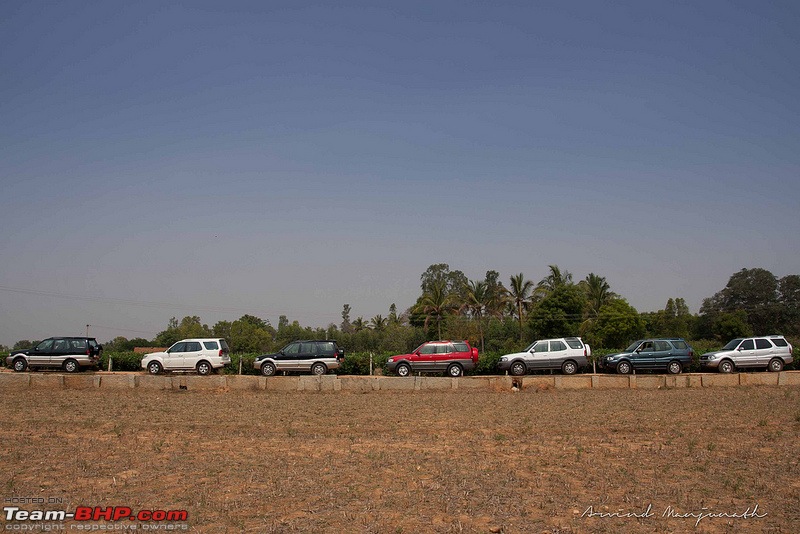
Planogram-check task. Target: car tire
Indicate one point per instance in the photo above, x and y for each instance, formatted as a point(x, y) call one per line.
point(204, 368)
point(19, 365)
point(775, 365)
point(71, 366)
point(319, 369)
point(454, 370)
point(268, 369)
point(403, 370)
point(624, 368)
point(674, 368)
point(154, 368)
point(517, 369)
point(569, 367)
point(725, 366)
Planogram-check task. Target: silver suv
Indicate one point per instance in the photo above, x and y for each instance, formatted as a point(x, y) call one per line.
point(203, 355)
point(772, 352)
point(567, 354)
point(315, 356)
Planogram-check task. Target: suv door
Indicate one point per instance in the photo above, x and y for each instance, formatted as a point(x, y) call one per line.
point(644, 356)
point(308, 353)
point(540, 357)
point(558, 354)
point(192, 355)
point(443, 356)
point(288, 357)
point(40, 354)
point(423, 360)
point(764, 351)
point(662, 354)
point(746, 354)
point(174, 357)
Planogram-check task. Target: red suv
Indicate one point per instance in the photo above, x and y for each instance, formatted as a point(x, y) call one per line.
point(455, 357)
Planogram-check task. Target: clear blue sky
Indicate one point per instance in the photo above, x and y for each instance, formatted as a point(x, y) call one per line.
point(162, 159)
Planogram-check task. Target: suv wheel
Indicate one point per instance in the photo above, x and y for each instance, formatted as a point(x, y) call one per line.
point(153, 368)
point(268, 369)
point(624, 368)
point(454, 370)
point(71, 366)
point(20, 365)
point(204, 368)
point(725, 366)
point(775, 365)
point(517, 369)
point(569, 368)
point(319, 369)
point(674, 368)
point(403, 369)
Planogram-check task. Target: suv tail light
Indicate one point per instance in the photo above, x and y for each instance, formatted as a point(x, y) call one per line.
point(584, 351)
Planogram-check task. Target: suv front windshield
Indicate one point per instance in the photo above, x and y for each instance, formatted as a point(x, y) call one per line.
point(732, 344)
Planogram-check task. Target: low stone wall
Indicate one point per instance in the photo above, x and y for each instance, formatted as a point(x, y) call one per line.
point(334, 383)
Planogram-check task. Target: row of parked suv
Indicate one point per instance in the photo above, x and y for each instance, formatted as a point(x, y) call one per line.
point(568, 355)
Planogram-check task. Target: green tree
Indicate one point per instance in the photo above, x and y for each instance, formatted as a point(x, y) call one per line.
point(552, 281)
point(617, 324)
point(754, 291)
point(789, 299)
point(378, 323)
point(560, 313)
point(346, 326)
point(477, 302)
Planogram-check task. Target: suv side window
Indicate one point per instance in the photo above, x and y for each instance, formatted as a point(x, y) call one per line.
point(178, 347)
point(193, 346)
point(461, 347)
point(646, 346)
point(444, 348)
point(292, 348)
point(763, 344)
point(326, 348)
point(77, 344)
point(428, 349)
point(574, 342)
point(747, 344)
point(557, 345)
point(680, 344)
point(780, 342)
point(45, 346)
point(60, 345)
point(308, 348)
point(541, 346)
point(661, 346)
point(210, 345)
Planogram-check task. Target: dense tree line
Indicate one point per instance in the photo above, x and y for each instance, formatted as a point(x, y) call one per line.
point(499, 318)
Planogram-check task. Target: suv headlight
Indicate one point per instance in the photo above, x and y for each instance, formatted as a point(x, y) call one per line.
point(711, 357)
point(503, 358)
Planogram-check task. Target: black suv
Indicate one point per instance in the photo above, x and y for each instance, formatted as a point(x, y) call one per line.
point(315, 356)
point(68, 353)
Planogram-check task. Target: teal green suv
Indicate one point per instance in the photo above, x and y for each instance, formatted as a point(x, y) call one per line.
point(672, 355)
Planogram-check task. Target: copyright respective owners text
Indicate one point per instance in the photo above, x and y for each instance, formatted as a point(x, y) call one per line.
point(53, 514)
point(695, 516)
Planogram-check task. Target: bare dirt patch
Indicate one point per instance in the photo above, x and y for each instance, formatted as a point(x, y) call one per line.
point(453, 461)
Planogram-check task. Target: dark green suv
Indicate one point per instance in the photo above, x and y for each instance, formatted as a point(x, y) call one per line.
point(672, 355)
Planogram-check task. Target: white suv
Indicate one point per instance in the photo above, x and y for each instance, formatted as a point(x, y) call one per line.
point(202, 355)
point(567, 354)
point(772, 352)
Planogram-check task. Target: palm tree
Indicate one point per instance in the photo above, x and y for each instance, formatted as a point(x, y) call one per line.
point(477, 300)
point(519, 293)
point(553, 281)
point(436, 303)
point(359, 324)
point(598, 292)
point(378, 322)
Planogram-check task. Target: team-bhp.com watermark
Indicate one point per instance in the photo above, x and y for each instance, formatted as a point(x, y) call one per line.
point(90, 518)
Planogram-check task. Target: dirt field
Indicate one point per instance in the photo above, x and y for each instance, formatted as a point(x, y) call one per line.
point(534, 461)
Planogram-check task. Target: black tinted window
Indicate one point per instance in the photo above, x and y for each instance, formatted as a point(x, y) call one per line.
point(780, 342)
point(77, 344)
point(680, 344)
point(224, 344)
point(178, 347)
point(428, 349)
point(661, 346)
point(45, 346)
point(292, 348)
point(574, 343)
point(748, 344)
point(326, 347)
point(763, 344)
point(210, 345)
point(444, 349)
point(556, 346)
point(193, 346)
point(461, 347)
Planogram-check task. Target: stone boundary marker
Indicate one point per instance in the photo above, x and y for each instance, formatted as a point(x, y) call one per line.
point(329, 383)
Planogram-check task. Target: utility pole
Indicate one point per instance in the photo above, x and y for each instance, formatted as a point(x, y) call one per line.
point(87, 330)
